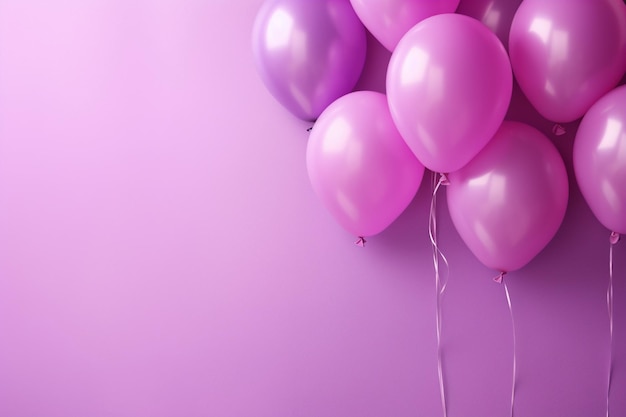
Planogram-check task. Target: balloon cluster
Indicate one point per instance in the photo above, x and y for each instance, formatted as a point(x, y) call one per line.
point(448, 88)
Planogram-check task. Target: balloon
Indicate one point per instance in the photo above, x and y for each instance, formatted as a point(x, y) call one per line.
point(389, 20)
point(600, 159)
point(449, 84)
point(497, 15)
point(510, 200)
point(308, 53)
point(358, 164)
point(566, 54)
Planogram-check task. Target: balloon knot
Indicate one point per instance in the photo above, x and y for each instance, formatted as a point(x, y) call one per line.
point(500, 277)
point(614, 238)
point(444, 180)
point(360, 241)
point(558, 130)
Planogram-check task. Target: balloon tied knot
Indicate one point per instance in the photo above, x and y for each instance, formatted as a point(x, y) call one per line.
point(614, 238)
point(360, 242)
point(500, 277)
point(444, 180)
point(558, 130)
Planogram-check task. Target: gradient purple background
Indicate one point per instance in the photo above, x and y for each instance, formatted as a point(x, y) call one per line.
point(162, 252)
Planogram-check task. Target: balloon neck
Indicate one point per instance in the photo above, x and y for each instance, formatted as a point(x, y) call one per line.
point(558, 130)
point(443, 179)
point(360, 242)
point(614, 238)
point(500, 277)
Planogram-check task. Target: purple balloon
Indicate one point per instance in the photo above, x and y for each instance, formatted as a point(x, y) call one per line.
point(389, 20)
point(308, 53)
point(449, 85)
point(509, 201)
point(359, 166)
point(497, 15)
point(600, 159)
point(566, 54)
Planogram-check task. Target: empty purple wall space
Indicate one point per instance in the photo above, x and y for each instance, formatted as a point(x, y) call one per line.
point(162, 252)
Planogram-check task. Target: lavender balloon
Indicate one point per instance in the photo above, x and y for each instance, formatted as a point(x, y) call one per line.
point(566, 54)
point(308, 52)
point(389, 20)
point(510, 200)
point(449, 85)
point(600, 159)
point(359, 166)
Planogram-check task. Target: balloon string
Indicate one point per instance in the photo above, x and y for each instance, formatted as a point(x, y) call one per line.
point(514, 378)
point(613, 239)
point(439, 283)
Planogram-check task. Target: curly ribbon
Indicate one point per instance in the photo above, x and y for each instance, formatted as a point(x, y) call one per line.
point(613, 239)
point(500, 280)
point(439, 283)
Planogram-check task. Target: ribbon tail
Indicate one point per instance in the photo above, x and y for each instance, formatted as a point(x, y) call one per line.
point(440, 285)
point(514, 377)
point(613, 239)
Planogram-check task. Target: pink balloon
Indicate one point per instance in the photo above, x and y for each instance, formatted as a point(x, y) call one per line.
point(566, 54)
point(509, 201)
point(308, 53)
point(600, 159)
point(497, 15)
point(449, 84)
point(359, 166)
point(389, 20)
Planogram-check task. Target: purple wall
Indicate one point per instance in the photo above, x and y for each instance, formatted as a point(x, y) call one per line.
point(163, 254)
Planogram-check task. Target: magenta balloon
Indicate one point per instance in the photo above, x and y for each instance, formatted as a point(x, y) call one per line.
point(497, 15)
point(566, 54)
point(600, 159)
point(389, 20)
point(359, 165)
point(510, 200)
point(449, 84)
point(308, 53)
